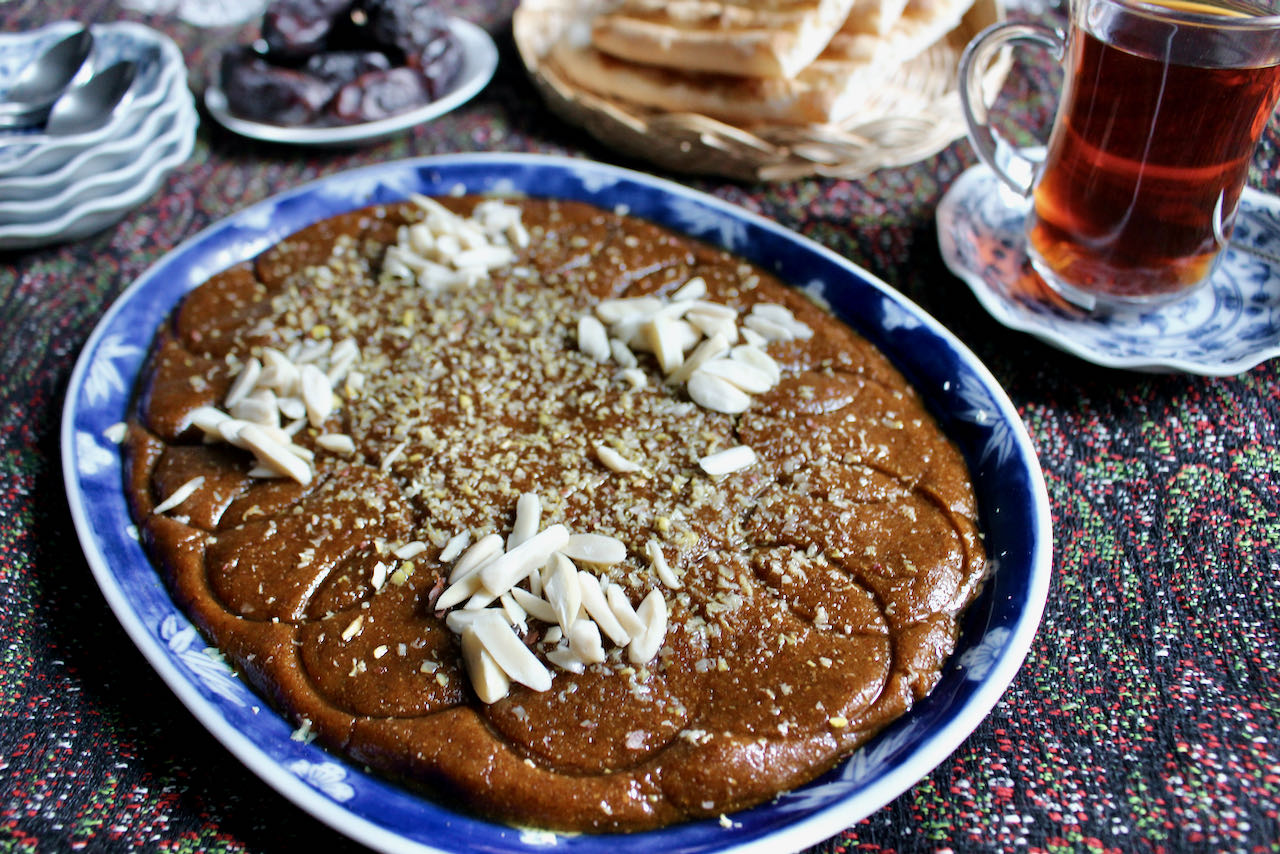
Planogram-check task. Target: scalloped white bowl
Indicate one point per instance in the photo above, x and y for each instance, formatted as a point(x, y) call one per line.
point(114, 198)
point(161, 72)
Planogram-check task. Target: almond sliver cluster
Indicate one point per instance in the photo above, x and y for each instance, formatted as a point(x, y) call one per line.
point(695, 342)
point(496, 588)
point(274, 397)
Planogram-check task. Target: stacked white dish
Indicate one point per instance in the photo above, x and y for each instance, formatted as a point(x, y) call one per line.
point(59, 188)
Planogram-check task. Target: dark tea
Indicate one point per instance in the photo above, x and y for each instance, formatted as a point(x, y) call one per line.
point(1149, 153)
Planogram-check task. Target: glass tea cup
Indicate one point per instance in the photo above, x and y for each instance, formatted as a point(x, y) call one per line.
point(1163, 104)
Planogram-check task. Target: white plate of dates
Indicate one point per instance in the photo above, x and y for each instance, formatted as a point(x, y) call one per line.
point(349, 72)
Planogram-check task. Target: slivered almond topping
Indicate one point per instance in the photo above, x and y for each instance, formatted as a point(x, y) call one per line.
point(612, 311)
point(614, 461)
point(563, 590)
point(181, 494)
point(665, 339)
point(448, 252)
point(712, 392)
point(484, 257)
point(622, 354)
point(487, 547)
point(595, 548)
point(622, 610)
point(292, 408)
point(728, 461)
point(488, 680)
point(634, 377)
point(337, 443)
point(528, 518)
point(782, 316)
point(597, 607)
point(714, 309)
point(695, 288)
point(344, 352)
point(509, 653)
point(410, 550)
point(353, 628)
point(535, 580)
point(207, 419)
point(317, 394)
point(745, 377)
point(260, 407)
point(760, 360)
point(462, 619)
point(516, 615)
point(378, 576)
point(566, 659)
point(311, 350)
point(539, 609)
point(274, 454)
point(454, 547)
point(653, 613)
point(710, 349)
point(711, 325)
point(658, 559)
point(278, 372)
point(461, 590)
point(579, 608)
point(585, 643)
point(502, 574)
point(769, 329)
point(244, 382)
point(593, 339)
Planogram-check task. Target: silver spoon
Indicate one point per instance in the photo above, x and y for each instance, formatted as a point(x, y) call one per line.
point(48, 75)
point(89, 105)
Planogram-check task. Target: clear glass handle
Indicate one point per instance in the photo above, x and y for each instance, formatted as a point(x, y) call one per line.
point(1015, 166)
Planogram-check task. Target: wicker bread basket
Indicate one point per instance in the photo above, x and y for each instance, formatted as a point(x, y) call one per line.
point(914, 113)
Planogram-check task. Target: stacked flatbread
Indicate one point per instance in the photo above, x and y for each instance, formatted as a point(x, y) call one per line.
point(751, 62)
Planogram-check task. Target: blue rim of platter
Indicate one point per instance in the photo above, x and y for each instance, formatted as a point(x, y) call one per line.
point(970, 406)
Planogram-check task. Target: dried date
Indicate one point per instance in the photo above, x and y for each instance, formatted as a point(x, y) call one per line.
point(297, 28)
point(421, 35)
point(258, 90)
point(379, 94)
point(342, 61)
point(338, 68)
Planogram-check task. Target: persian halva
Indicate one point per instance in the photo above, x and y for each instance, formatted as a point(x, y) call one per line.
point(573, 521)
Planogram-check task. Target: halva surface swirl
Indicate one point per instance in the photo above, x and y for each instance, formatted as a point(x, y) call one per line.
point(571, 520)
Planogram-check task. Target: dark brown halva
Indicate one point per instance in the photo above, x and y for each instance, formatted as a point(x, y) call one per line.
point(807, 594)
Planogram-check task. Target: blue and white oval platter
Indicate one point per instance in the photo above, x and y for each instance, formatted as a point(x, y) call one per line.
point(970, 406)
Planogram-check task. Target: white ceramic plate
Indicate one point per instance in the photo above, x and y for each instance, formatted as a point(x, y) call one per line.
point(1222, 329)
point(105, 157)
point(90, 215)
point(479, 61)
point(995, 633)
point(161, 73)
point(142, 151)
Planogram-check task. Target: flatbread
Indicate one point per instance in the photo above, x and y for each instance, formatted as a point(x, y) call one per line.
point(828, 90)
point(773, 38)
point(876, 17)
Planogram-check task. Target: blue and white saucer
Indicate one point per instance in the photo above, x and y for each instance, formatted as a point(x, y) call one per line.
point(1223, 329)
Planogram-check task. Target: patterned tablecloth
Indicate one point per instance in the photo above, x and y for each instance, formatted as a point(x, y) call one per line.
point(1146, 716)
